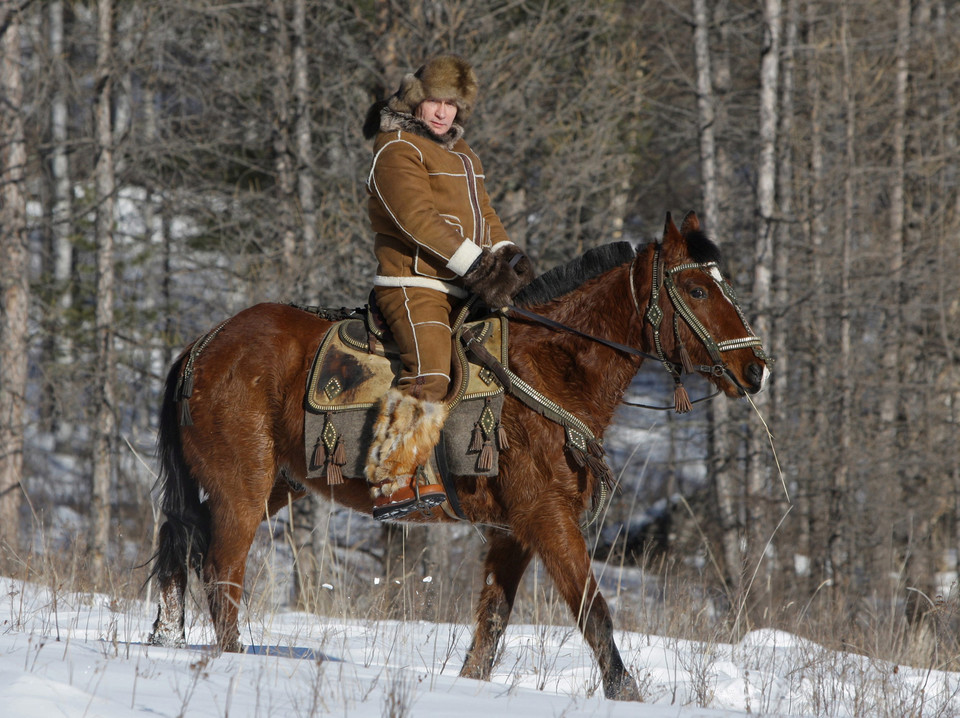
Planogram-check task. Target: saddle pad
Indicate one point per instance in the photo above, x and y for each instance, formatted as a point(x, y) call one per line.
point(346, 376)
point(346, 384)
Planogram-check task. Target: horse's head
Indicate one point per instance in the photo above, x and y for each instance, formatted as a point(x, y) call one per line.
point(695, 317)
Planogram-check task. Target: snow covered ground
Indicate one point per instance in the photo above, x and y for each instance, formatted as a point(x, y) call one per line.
point(80, 655)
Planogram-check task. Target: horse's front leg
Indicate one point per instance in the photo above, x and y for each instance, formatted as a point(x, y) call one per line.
point(563, 551)
point(503, 568)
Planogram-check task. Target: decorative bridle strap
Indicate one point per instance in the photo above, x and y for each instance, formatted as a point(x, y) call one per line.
point(654, 315)
point(714, 348)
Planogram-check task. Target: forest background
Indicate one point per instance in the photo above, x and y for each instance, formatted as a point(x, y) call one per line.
point(166, 163)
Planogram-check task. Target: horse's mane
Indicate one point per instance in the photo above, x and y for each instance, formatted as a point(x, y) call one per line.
point(566, 277)
point(702, 249)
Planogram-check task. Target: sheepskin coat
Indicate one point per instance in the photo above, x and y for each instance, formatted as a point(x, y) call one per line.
point(428, 205)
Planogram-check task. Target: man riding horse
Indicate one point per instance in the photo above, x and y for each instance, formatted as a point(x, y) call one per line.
point(438, 239)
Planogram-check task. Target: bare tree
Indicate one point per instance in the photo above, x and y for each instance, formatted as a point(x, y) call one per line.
point(104, 450)
point(61, 219)
point(841, 543)
point(761, 523)
point(303, 130)
point(725, 481)
point(893, 336)
point(14, 281)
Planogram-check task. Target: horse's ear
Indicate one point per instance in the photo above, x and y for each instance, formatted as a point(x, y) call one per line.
point(673, 245)
point(669, 228)
point(691, 223)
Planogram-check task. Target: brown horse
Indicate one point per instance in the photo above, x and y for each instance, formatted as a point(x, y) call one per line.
point(245, 447)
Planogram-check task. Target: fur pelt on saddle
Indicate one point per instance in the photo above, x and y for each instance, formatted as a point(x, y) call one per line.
point(355, 367)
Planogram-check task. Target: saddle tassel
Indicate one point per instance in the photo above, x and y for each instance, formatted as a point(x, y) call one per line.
point(502, 442)
point(596, 449)
point(579, 458)
point(184, 392)
point(334, 464)
point(681, 400)
point(476, 439)
point(485, 462)
point(319, 454)
point(185, 418)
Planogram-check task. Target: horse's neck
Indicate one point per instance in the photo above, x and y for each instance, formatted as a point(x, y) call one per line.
point(595, 376)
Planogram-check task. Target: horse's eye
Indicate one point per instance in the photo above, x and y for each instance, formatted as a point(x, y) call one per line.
point(698, 293)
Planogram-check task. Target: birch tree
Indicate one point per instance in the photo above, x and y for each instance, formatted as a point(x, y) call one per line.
point(891, 403)
point(725, 481)
point(764, 261)
point(840, 544)
point(61, 219)
point(306, 172)
point(814, 486)
point(283, 147)
point(104, 449)
point(13, 278)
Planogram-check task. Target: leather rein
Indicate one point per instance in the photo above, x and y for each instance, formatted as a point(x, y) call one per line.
point(664, 277)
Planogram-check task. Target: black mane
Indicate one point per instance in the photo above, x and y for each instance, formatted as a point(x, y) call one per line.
point(565, 278)
point(702, 249)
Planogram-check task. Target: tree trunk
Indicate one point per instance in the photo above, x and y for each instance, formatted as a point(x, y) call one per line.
point(725, 480)
point(841, 543)
point(14, 282)
point(293, 150)
point(316, 283)
point(706, 117)
point(818, 487)
point(761, 523)
point(104, 450)
point(61, 220)
point(286, 173)
point(786, 225)
point(783, 405)
point(890, 405)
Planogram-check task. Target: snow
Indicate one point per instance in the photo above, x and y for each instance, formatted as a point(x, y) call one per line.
point(64, 654)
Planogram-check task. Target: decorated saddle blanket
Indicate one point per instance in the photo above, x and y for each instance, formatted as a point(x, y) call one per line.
point(354, 367)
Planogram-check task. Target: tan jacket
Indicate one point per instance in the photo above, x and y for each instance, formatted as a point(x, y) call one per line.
point(428, 206)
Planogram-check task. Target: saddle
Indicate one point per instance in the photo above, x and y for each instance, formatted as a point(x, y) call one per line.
point(355, 365)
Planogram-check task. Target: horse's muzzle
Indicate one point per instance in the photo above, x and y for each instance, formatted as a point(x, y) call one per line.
point(756, 376)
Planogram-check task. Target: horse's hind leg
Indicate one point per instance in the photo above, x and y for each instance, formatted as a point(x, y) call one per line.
point(224, 568)
point(168, 629)
point(504, 566)
point(563, 551)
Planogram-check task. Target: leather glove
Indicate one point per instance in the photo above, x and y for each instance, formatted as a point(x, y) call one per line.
point(522, 265)
point(494, 280)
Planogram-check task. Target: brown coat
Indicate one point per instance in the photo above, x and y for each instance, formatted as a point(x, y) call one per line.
point(427, 205)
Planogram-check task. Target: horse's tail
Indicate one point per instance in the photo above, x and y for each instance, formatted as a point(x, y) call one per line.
point(185, 535)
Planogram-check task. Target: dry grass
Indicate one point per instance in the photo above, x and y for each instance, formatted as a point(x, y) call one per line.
point(438, 577)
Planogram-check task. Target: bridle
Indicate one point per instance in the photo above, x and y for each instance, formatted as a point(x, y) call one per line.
point(654, 314)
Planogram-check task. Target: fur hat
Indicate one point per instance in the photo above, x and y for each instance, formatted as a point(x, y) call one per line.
point(445, 77)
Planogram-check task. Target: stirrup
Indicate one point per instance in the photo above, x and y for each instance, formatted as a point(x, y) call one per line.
point(408, 499)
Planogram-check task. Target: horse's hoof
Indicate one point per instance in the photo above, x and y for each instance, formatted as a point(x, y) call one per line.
point(623, 690)
point(166, 641)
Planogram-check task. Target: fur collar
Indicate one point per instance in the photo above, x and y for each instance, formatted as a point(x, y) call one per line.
point(391, 121)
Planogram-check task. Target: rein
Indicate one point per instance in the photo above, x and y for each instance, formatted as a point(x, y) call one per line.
point(547, 322)
point(654, 315)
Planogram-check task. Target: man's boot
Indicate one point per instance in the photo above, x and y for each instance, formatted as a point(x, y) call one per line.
point(404, 436)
